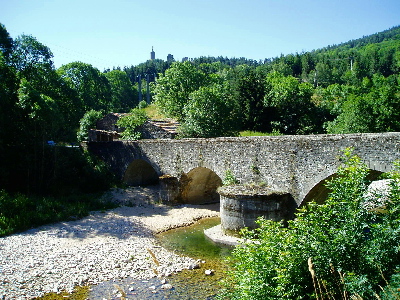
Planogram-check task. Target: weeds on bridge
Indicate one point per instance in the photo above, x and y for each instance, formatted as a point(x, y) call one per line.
point(335, 250)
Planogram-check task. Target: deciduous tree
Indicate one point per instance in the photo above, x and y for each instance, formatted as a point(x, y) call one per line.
point(211, 112)
point(173, 89)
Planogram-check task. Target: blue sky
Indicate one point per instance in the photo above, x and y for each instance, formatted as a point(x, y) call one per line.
point(121, 33)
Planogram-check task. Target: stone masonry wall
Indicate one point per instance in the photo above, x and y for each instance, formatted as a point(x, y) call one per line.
point(288, 163)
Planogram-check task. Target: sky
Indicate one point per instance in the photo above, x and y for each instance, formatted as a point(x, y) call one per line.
point(119, 33)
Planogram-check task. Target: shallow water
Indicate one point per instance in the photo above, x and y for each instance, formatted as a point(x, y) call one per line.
point(191, 241)
point(188, 284)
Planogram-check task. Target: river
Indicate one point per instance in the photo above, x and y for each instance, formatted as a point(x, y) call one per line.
point(188, 284)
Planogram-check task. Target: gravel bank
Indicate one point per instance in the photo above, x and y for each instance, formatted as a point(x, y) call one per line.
point(103, 246)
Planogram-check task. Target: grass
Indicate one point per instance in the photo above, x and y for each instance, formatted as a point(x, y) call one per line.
point(153, 112)
point(257, 133)
point(20, 212)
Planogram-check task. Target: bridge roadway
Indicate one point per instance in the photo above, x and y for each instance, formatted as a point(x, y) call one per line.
point(294, 164)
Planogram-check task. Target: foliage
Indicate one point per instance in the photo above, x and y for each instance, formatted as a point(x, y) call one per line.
point(29, 54)
point(142, 104)
point(6, 42)
point(256, 133)
point(20, 212)
point(87, 122)
point(123, 95)
point(247, 86)
point(230, 178)
point(289, 102)
point(73, 180)
point(173, 89)
point(152, 67)
point(372, 108)
point(349, 249)
point(131, 122)
point(210, 113)
point(91, 86)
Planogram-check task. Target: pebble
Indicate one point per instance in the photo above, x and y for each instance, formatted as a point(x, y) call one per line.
point(166, 286)
point(209, 272)
point(100, 247)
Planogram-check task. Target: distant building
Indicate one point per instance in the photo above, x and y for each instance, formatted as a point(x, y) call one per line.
point(152, 54)
point(170, 58)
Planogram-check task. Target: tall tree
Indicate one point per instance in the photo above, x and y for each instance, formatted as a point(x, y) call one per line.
point(211, 112)
point(91, 86)
point(173, 89)
point(123, 95)
point(248, 87)
point(289, 103)
point(6, 42)
point(30, 56)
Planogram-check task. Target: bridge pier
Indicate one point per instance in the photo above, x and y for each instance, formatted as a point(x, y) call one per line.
point(169, 189)
point(242, 205)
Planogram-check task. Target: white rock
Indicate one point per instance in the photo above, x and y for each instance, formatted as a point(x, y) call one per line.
point(166, 286)
point(209, 272)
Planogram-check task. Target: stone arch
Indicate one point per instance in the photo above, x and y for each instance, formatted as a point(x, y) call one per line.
point(199, 186)
point(319, 192)
point(140, 172)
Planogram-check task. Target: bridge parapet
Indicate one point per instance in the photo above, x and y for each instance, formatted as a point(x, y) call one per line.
point(294, 164)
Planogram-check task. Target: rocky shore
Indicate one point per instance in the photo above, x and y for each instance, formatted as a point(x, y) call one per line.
point(105, 245)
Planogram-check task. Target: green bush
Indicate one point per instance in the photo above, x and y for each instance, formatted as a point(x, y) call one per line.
point(20, 212)
point(142, 104)
point(334, 250)
point(88, 122)
point(131, 122)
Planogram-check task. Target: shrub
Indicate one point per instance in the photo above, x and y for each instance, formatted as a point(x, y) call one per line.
point(230, 178)
point(334, 250)
point(131, 122)
point(88, 122)
point(20, 212)
point(142, 104)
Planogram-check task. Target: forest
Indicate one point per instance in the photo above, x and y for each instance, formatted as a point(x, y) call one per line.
point(351, 87)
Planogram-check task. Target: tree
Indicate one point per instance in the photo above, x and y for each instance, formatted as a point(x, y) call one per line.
point(91, 86)
point(31, 57)
point(173, 89)
point(248, 87)
point(43, 115)
point(6, 43)
point(211, 112)
point(373, 107)
point(289, 103)
point(33, 62)
point(9, 116)
point(356, 116)
point(384, 98)
point(123, 95)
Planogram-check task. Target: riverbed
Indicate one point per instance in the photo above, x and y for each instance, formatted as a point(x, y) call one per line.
point(111, 245)
point(188, 284)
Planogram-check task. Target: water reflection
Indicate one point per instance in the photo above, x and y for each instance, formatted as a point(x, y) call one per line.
point(188, 284)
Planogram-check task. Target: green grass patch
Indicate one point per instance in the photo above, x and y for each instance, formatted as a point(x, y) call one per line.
point(257, 133)
point(154, 113)
point(20, 212)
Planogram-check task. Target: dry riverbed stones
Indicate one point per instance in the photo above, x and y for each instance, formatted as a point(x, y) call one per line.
point(103, 246)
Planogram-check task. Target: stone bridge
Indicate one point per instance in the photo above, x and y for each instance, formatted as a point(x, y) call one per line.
point(291, 164)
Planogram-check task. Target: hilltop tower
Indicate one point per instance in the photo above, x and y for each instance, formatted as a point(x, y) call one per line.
point(152, 54)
